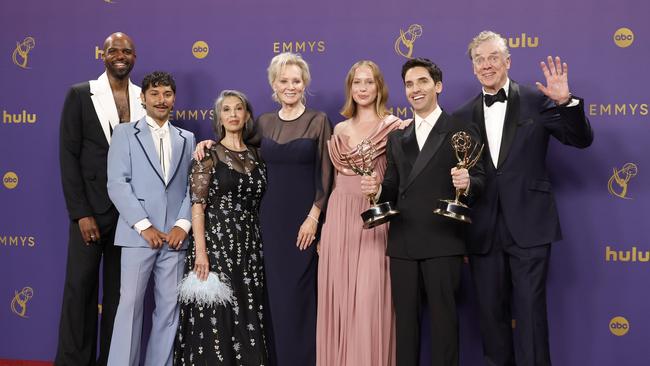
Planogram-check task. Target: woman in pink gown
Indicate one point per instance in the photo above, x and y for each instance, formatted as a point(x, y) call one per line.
point(355, 321)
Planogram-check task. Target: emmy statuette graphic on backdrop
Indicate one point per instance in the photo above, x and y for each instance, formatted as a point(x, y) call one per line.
point(20, 300)
point(404, 43)
point(20, 56)
point(618, 182)
point(467, 155)
point(377, 214)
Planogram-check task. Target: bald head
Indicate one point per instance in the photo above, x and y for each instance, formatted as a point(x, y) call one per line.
point(119, 55)
point(118, 36)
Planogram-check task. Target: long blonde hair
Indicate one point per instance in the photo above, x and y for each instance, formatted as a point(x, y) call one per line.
point(349, 109)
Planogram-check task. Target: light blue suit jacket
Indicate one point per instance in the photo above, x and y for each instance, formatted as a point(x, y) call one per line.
point(136, 184)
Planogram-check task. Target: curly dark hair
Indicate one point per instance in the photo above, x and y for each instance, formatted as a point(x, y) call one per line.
point(158, 78)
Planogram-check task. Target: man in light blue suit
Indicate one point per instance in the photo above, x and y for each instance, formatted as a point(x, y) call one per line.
point(148, 165)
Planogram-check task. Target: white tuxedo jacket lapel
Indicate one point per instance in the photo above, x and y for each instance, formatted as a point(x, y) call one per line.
point(104, 103)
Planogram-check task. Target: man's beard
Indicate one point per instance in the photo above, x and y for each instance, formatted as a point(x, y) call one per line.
point(119, 73)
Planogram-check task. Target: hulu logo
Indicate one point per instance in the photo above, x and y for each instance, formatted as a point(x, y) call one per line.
point(634, 255)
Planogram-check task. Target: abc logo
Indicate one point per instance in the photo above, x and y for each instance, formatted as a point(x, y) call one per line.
point(619, 326)
point(10, 180)
point(200, 49)
point(623, 37)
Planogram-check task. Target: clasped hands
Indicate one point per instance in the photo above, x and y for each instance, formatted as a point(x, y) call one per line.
point(156, 238)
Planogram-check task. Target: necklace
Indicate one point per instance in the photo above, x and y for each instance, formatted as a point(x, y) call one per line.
point(293, 114)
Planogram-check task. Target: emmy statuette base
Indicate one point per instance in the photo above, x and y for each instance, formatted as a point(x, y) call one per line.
point(453, 209)
point(377, 215)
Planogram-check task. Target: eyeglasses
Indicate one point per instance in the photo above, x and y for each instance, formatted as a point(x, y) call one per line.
point(491, 60)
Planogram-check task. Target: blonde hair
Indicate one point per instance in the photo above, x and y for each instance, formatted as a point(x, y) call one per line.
point(282, 60)
point(349, 109)
point(485, 36)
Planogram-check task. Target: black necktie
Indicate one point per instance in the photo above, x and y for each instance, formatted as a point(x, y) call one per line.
point(498, 97)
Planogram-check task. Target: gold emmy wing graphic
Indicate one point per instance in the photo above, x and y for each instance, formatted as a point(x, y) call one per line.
point(467, 155)
point(617, 184)
point(21, 53)
point(404, 43)
point(361, 164)
point(19, 302)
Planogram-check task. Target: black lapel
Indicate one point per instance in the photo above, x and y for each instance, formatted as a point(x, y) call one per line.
point(478, 116)
point(435, 139)
point(410, 143)
point(510, 123)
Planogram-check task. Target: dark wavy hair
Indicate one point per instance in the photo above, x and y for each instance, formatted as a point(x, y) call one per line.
point(158, 78)
point(433, 69)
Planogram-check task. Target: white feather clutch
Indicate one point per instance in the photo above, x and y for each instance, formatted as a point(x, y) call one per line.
point(213, 291)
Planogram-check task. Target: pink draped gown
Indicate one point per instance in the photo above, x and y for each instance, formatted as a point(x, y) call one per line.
point(355, 320)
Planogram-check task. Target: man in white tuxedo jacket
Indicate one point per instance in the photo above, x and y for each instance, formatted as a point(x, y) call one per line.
point(148, 165)
point(91, 111)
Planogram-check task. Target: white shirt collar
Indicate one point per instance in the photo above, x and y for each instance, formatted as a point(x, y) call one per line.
point(505, 87)
point(431, 118)
point(153, 125)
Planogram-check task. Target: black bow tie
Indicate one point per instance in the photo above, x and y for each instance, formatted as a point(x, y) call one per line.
point(498, 97)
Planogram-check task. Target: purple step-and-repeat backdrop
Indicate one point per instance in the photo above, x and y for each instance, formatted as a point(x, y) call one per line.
point(598, 302)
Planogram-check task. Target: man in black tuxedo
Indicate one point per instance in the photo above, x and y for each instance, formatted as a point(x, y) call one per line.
point(426, 250)
point(516, 218)
point(90, 112)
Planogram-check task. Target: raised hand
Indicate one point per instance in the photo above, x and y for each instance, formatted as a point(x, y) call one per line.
point(557, 81)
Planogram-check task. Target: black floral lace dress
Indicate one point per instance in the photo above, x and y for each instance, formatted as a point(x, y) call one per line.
point(231, 184)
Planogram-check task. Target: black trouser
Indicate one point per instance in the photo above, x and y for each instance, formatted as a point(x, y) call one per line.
point(509, 277)
point(440, 279)
point(77, 343)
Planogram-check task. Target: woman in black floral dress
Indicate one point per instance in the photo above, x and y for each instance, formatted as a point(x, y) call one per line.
point(221, 316)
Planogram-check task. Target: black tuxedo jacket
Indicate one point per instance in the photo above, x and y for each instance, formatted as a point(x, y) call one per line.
point(415, 180)
point(83, 149)
point(520, 182)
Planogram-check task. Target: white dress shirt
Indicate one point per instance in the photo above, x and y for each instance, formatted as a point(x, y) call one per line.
point(495, 116)
point(423, 126)
point(160, 136)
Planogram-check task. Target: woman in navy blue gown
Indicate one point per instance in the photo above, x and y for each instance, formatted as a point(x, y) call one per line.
point(294, 147)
